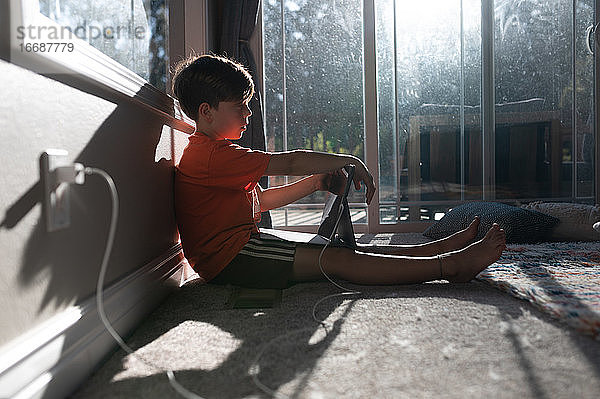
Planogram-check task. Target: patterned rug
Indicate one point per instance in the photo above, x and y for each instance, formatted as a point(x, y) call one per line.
point(562, 279)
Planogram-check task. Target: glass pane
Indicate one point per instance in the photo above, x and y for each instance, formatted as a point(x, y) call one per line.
point(323, 80)
point(429, 87)
point(273, 68)
point(584, 100)
point(132, 33)
point(391, 157)
point(534, 98)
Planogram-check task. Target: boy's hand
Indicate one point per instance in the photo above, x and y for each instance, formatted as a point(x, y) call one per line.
point(332, 181)
point(336, 181)
point(361, 173)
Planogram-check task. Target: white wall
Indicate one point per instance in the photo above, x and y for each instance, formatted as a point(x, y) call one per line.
point(43, 273)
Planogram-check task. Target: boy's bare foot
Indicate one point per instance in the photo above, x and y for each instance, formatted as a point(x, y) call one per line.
point(463, 265)
point(459, 239)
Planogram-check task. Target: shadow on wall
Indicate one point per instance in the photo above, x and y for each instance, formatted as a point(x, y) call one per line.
point(125, 146)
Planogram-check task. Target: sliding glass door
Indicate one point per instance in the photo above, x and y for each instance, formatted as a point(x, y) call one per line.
point(474, 100)
point(429, 85)
point(544, 99)
point(434, 151)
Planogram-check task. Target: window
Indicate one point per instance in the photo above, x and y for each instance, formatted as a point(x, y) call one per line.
point(131, 32)
point(314, 89)
point(432, 93)
point(118, 44)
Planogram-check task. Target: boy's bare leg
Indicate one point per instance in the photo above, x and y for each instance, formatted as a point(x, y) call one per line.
point(453, 242)
point(368, 268)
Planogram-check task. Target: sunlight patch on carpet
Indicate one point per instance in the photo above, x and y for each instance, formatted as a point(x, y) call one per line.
point(191, 345)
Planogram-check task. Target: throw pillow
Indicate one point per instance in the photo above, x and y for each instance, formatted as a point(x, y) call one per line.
point(520, 225)
point(576, 220)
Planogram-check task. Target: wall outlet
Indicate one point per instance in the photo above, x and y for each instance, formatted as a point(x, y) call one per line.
point(56, 207)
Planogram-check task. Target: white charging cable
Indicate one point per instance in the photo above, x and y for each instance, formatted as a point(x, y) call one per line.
point(254, 366)
point(75, 174)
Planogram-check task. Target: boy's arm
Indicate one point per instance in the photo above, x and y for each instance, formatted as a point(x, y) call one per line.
point(305, 162)
point(279, 196)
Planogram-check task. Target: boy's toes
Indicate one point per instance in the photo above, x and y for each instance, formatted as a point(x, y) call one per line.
point(491, 232)
point(474, 225)
point(471, 230)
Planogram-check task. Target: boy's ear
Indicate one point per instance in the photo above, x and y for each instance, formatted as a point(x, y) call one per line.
point(205, 112)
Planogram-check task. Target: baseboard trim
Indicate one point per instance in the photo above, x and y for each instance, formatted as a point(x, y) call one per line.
point(53, 359)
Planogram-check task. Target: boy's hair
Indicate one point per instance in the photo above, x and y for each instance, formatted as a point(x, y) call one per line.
point(210, 79)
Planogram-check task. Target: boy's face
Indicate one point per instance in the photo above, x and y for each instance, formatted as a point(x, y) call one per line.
point(230, 119)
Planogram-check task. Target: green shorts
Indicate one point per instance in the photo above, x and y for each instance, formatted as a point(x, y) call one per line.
point(260, 264)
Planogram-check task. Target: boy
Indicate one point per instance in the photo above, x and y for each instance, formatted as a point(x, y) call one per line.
point(218, 201)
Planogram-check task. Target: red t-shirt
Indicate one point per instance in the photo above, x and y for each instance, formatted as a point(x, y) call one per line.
point(216, 203)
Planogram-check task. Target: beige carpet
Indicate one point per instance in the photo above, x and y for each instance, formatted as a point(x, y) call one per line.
point(416, 341)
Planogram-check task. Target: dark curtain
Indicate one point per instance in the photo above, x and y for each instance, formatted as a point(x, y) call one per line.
point(238, 21)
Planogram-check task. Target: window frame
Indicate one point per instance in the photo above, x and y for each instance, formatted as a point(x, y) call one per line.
point(89, 65)
point(597, 98)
